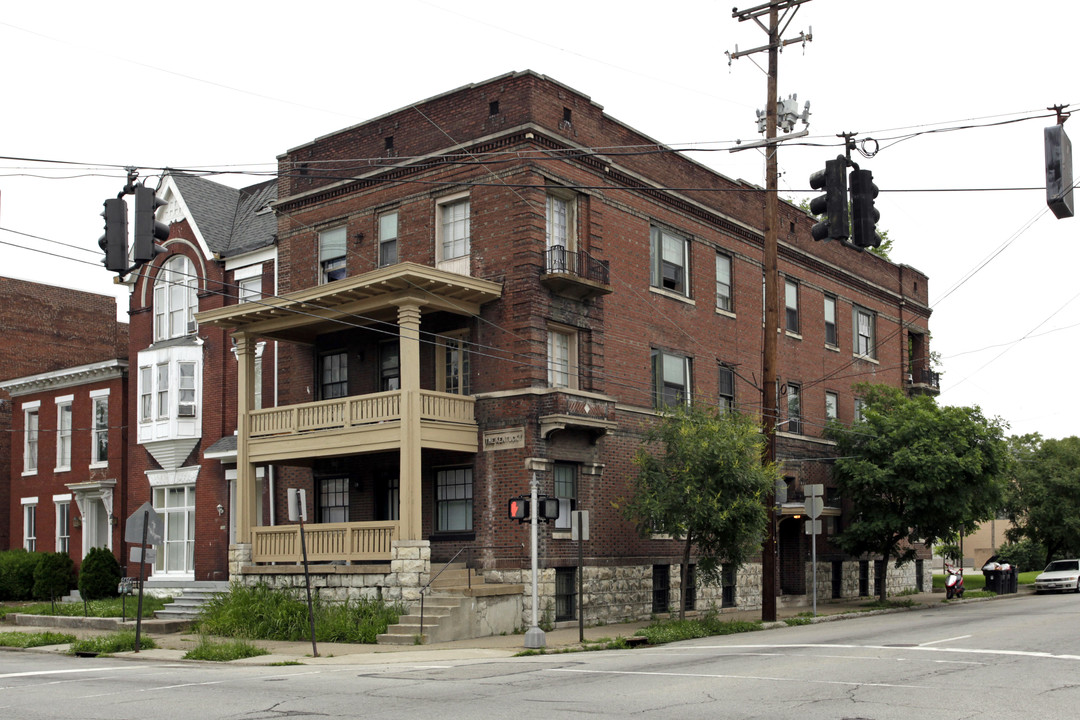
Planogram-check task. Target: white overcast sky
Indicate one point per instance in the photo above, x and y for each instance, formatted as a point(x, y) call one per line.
point(230, 85)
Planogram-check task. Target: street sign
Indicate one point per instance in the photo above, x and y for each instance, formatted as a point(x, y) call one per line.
point(133, 528)
point(579, 519)
point(139, 555)
point(813, 490)
point(813, 527)
point(814, 506)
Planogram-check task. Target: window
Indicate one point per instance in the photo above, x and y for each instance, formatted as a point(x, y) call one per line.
point(63, 524)
point(388, 232)
point(332, 254)
point(30, 446)
point(726, 389)
point(146, 394)
point(455, 371)
point(163, 390)
point(565, 593)
point(860, 405)
point(175, 299)
point(864, 333)
point(831, 404)
point(333, 376)
point(176, 506)
point(334, 500)
point(794, 409)
point(186, 405)
point(389, 365)
point(671, 379)
point(830, 321)
point(669, 261)
point(791, 305)
point(453, 500)
point(63, 433)
point(689, 592)
point(723, 284)
point(661, 587)
point(561, 235)
point(565, 476)
point(453, 229)
point(390, 507)
point(30, 524)
point(249, 289)
point(562, 358)
point(99, 453)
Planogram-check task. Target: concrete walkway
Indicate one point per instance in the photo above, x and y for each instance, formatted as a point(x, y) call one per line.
point(173, 643)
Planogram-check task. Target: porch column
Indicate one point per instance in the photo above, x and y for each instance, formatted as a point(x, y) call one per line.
point(409, 355)
point(246, 500)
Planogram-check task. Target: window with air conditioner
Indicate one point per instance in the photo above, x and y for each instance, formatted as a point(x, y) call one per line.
point(669, 255)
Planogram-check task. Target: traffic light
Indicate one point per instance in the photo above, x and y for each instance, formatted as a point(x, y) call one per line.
point(519, 509)
point(114, 241)
point(1059, 180)
point(148, 231)
point(833, 204)
point(864, 214)
point(549, 508)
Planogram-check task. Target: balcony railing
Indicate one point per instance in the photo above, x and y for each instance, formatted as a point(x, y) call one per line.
point(350, 542)
point(356, 411)
point(561, 260)
point(929, 378)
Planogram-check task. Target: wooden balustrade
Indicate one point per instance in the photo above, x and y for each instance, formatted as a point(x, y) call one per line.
point(354, 542)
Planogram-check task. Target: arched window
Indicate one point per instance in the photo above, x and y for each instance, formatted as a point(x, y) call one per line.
point(175, 299)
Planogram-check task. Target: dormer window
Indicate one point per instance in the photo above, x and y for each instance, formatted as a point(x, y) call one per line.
point(175, 299)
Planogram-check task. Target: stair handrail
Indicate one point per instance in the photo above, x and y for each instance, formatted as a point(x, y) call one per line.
point(468, 572)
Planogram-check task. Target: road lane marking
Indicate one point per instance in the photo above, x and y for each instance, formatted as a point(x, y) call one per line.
point(935, 642)
point(764, 678)
point(35, 673)
point(916, 648)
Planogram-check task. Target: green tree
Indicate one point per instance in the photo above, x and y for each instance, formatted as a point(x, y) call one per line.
point(1043, 501)
point(53, 576)
point(99, 575)
point(916, 472)
point(705, 484)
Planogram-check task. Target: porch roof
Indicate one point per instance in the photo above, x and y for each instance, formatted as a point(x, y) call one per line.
point(361, 300)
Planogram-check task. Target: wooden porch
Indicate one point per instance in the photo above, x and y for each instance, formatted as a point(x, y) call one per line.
point(351, 542)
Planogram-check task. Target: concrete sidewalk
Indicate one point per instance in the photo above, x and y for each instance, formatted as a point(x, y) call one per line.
point(173, 643)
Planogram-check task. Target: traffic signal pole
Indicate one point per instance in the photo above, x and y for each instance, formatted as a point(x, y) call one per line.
point(769, 398)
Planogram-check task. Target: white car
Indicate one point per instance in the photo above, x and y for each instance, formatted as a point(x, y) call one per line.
point(1059, 575)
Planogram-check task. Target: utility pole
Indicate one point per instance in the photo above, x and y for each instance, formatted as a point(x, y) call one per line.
point(769, 398)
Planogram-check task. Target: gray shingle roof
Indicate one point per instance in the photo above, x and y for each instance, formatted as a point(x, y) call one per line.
point(230, 219)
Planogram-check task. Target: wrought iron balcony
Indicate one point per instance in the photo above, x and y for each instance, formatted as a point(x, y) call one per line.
point(576, 275)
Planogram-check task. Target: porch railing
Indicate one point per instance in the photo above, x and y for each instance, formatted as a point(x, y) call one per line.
point(350, 542)
point(357, 410)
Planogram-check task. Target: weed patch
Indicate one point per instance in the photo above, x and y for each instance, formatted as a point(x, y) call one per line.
point(123, 641)
point(224, 651)
point(29, 640)
point(707, 625)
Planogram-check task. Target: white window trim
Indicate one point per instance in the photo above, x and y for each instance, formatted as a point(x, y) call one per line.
point(380, 240)
point(185, 283)
point(797, 332)
point(461, 263)
point(27, 504)
point(836, 405)
point(871, 356)
point(343, 228)
point(730, 310)
point(63, 401)
point(571, 199)
point(573, 365)
point(94, 398)
point(656, 259)
point(29, 408)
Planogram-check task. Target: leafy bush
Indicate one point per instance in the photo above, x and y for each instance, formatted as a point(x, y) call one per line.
point(260, 612)
point(100, 574)
point(17, 574)
point(1025, 555)
point(53, 576)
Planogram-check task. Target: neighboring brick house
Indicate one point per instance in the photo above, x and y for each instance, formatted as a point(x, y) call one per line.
point(504, 282)
point(44, 328)
point(182, 416)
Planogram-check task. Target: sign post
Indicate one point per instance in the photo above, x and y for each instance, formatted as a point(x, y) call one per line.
point(298, 511)
point(579, 523)
point(814, 506)
point(143, 527)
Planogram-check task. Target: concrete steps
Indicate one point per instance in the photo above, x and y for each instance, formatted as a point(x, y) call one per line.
point(450, 607)
point(187, 600)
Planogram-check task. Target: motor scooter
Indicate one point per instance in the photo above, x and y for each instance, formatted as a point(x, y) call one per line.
point(954, 584)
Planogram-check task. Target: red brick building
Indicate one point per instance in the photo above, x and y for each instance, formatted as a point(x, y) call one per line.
point(62, 453)
point(504, 282)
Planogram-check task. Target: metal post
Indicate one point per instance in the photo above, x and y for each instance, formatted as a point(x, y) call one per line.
point(307, 584)
point(580, 576)
point(142, 565)
point(534, 637)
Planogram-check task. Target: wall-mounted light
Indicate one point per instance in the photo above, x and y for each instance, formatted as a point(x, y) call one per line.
point(220, 509)
point(76, 522)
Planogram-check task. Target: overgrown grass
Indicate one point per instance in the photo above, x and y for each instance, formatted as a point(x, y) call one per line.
point(1027, 578)
point(708, 625)
point(123, 641)
point(110, 607)
point(889, 604)
point(29, 640)
point(215, 651)
point(262, 613)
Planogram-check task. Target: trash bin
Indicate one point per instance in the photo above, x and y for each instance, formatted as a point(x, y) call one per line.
point(1013, 578)
point(993, 580)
